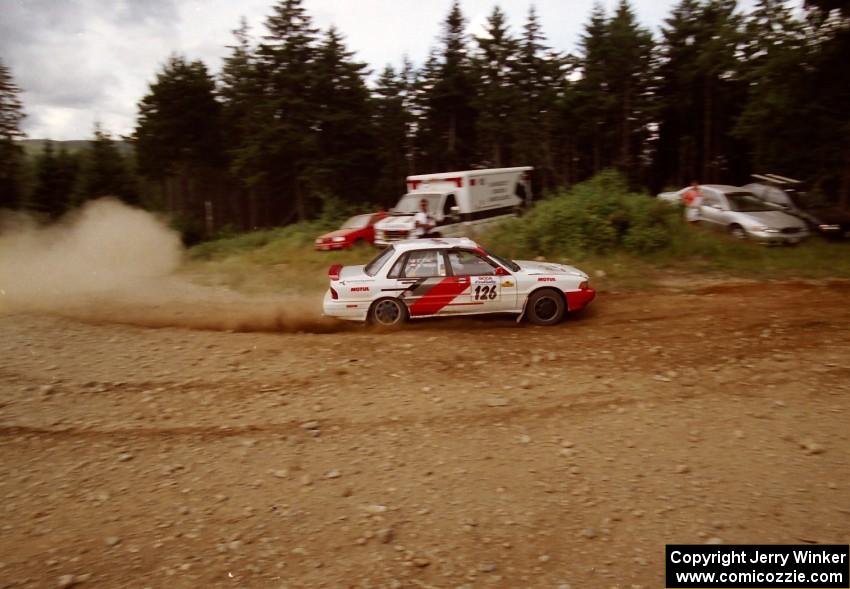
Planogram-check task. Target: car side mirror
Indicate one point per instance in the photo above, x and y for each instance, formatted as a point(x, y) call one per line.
point(455, 210)
point(502, 272)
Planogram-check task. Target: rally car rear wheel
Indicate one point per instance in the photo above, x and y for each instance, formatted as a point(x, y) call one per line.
point(388, 313)
point(546, 307)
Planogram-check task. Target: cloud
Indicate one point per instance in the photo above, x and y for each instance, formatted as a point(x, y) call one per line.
point(78, 61)
point(81, 60)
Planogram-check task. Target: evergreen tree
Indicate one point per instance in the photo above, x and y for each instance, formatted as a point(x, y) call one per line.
point(67, 174)
point(700, 95)
point(722, 93)
point(178, 139)
point(344, 166)
point(11, 156)
point(826, 92)
point(105, 172)
point(409, 78)
point(426, 135)
point(592, 98)
point(55, 177)
point(498, 96)
point(450, 117)
point(539, 82)
point(241, 89)
point(277, 157)
point(629, 82)
point(614, 96)
point(774, 58)
point(392, 122)
point(796, 119)
point(828, 5)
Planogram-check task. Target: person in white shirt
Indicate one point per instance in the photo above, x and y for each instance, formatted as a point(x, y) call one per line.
point(693, 201)
point(422, 220)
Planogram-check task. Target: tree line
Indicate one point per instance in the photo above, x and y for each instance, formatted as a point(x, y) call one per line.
point(294, 124)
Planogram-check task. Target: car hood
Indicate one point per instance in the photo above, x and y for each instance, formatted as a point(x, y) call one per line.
point(548, 268)
point(395, 222)
point(670, 196)
point(337, 233)
point(776, 219)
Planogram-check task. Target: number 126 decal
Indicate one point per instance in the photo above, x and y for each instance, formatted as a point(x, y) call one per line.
point(487, 292)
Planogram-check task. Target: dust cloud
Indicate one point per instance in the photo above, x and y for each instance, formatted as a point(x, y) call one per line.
point(111, 263)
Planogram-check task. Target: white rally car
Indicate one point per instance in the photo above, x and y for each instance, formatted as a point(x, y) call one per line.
point(452, 276)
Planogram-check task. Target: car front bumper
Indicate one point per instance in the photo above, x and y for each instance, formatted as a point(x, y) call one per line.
point(348, 310)
point(840, 233)
point(579, 299)
point(771, 237)
point(323, 247)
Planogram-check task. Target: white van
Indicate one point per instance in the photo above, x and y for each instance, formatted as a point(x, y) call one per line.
point(459, 202)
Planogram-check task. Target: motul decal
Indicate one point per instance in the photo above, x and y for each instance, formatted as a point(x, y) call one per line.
point(360, 289)
point(545, 279)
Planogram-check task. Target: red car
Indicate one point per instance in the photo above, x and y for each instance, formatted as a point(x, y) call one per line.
point(358, 229)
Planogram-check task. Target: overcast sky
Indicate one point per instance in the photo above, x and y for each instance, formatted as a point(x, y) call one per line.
point(81, 61)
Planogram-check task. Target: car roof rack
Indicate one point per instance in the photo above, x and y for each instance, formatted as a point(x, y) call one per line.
point(785, 179)
point(776, 179)
point(764, 178)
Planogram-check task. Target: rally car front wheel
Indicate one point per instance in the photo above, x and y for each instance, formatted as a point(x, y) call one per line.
point(545, 307)
point(388, 313)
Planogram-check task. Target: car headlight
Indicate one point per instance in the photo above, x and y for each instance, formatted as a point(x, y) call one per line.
point(829, 227)
point(338, 239)
point(764, 229)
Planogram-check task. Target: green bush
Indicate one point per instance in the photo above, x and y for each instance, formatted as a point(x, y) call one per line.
point(595, 217)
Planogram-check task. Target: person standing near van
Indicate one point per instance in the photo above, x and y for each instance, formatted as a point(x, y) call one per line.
point(693, 201)
point(422, 220)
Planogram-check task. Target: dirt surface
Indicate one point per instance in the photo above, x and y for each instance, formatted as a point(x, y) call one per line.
point(451, 454)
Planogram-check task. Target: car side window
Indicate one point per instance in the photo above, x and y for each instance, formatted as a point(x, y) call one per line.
point(467, 263)
point(710, 199)
point(395, 271)
point(422, 264)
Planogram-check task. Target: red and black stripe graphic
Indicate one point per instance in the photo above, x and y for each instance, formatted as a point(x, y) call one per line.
point(429, 296)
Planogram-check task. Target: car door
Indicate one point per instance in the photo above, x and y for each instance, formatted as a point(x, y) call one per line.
point(423, 281)
point(711, 211)
point(492, 289)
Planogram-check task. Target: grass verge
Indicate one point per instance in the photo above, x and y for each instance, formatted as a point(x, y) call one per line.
point(284, 260)
point(624, 240)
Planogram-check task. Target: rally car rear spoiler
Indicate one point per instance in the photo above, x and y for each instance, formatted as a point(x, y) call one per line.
point(333, 271)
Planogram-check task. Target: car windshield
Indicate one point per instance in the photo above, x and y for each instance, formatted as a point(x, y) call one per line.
point(746, 202)
point(509, 264)
point(358, 222)
point(409, 203)
point(378, 261)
